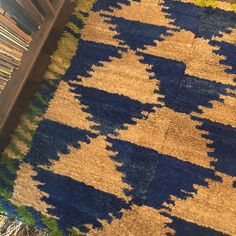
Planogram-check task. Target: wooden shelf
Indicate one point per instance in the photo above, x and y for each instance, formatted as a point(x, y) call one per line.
point(14, 87)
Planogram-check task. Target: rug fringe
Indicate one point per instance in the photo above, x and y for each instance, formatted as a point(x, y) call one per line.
point(12, 227)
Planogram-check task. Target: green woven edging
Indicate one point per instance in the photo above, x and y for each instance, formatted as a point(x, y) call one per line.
point(206, 3)
point(26, 129)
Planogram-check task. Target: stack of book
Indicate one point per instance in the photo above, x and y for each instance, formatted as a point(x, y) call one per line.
point(17, 24)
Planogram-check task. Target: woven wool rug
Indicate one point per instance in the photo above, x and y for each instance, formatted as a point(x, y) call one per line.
point(133, 130)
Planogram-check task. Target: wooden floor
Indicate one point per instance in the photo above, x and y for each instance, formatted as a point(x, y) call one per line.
point(36, 75)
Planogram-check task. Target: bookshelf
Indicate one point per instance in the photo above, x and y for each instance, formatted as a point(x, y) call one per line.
point(44, 16)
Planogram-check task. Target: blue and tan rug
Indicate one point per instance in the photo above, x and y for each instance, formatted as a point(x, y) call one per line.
point(133, 131)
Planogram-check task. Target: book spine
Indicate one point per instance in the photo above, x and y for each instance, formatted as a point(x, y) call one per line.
point(8, 48)
point(10, 32)
point(13, 38)
point(23, 20)
point(14, 28)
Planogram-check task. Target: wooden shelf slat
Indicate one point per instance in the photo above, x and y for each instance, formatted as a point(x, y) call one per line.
point(47, 7)
point(13, 88)
point(31, 10)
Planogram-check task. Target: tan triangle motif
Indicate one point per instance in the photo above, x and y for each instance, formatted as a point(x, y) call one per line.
point(176, 47)
point(97, 30)
point(92, 165)
point(196, 53)
point(152, 222)
point(213, 206)
point(26, 192)
point(227, 37)
point(170, 133)
point(65, 109)
point(221, 112)
point(126, 76)
point(146, 11)
point(204, 63)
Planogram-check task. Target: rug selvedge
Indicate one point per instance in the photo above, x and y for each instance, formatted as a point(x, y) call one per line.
point(133, 130)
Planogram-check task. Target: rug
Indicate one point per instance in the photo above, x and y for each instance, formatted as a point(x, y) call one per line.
point(133, 129)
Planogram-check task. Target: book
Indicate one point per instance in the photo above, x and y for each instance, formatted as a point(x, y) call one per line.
point(10, 48)
point(14, 28)
point(9, 60)
point(10, 36)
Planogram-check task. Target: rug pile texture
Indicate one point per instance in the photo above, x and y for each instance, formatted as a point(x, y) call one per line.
point(133, 130)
